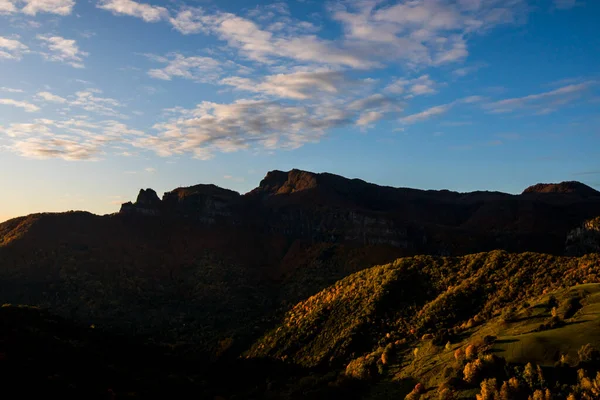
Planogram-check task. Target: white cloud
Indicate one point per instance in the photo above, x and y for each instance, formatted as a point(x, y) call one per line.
point(63, 50)
point(541, 103)
point(189, 21)
point(298, 85)
point(100, 105)
point(150, 170)
point(47, 96)
point(418, 86)
point(72, 139)
point(200, 69)
point(10, 90)
point(60, 7)
point(147, 12)
point(261, 45)
point(427, 114)
point(369, 117)
point(428, 32)
point(28, 107)
point(16, 130)
point(7, 7)
point(11, 49)
point(49, 147)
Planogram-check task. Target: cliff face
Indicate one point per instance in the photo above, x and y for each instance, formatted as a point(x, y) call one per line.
point(584, 239)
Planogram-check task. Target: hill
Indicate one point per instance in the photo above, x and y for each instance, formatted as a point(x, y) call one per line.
point(403, 323)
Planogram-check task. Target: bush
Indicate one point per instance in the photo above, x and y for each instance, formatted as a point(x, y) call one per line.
point(588, 353)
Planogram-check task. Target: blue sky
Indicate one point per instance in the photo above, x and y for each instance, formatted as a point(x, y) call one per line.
point(101, 98)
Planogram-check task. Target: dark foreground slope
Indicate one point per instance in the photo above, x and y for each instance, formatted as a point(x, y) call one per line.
point(449, 324)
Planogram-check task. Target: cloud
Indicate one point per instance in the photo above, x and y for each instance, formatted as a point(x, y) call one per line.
point(420, 33)
point(11, 49)
point(47, 96)
point(7, 7)
point(369, 117)
point(147, 12)
point(63, 50)
point(60, 7)
point(100, 105)
point(72, 139)
point(541, 103)
point(565, 4)
point(11, 90)
point(464, 71)
point(150, 170)
point(416, 87)
point(234, 178)
point(261, 45)
point(439, 110)
point(190, 21)
point(47, 147)
point(298, 85)
point(245, 124)
point(28, 107)
point(199, 69)
point(427, 114)
point(16, 130)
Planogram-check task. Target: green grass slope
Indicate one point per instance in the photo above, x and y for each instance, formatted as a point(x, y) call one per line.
point(412, 297)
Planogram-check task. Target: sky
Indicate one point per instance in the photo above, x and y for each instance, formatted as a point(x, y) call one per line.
point(101, 98)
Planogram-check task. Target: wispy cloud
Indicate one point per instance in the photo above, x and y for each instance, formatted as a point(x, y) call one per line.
point(439, 110)
point(89, 101)
point(426, 114)
point(232, 178)
point(11, 90)
point(200, 69)
point(20, 104)
point(72, 139)
point(415, 87)
point(565, 4)
point(63, 50)
point(541, 103)
point(297, 85)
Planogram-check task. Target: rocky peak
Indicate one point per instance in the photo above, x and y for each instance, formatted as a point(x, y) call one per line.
point(147, 198)
point(568, 187)
point(280, 182)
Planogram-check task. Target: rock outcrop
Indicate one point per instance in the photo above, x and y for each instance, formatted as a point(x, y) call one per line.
point(568, 187)
point(584, 239)
point(204, 203)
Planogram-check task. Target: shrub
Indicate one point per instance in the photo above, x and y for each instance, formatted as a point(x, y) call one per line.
point(471, 352)
point(588, 353)
point(362, 368)
point(472, 371)
point(489, 390)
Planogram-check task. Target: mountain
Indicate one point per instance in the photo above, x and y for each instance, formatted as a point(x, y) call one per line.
point(312, 276)
point(222, 261)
